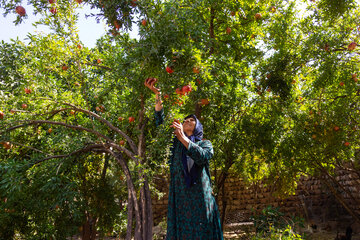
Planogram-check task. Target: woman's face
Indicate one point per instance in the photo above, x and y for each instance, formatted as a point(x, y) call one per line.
point(189, 126)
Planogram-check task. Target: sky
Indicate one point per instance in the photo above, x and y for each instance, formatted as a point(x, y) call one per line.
point(89, 29)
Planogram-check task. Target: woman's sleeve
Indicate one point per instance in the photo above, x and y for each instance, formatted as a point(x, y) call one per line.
point(159, 117)
point(200, 154)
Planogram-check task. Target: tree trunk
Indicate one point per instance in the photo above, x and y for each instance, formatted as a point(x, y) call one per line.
point(145, 196)
point(129, 217)
point(146, 208)
point(198, 110)
point(143, 212)
point(146, 212)
point(148, 221)
point(224, 204)
point(140, 206)
point(85, 235)
point(221, 186)
point(132, 192)
point(89, 228)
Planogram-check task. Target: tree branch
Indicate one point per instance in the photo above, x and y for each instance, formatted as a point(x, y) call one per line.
point(32, 148)
point(122, 149)
point(109, 141)
point(33, 122)
point(96, 65)
point(83, 150)
point(232, 120)
point(53, 113)
point(129, 140)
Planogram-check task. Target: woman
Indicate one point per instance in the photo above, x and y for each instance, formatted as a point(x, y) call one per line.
point(192, 210)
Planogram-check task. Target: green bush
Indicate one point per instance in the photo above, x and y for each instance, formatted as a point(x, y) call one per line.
point(272, 224)
point(275, 234)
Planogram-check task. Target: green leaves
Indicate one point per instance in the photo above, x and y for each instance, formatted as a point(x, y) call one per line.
point(276, 91)
point(332, 9)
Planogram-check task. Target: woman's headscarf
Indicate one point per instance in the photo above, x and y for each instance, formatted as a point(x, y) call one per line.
point(191, 170)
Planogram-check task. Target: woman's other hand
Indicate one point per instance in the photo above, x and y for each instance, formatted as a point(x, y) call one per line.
point(178, 128)
point(179, 133)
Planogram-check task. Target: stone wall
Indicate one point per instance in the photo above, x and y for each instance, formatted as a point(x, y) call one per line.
point(313, 201)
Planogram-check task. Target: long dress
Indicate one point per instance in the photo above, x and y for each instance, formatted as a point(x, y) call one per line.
point(192, 211)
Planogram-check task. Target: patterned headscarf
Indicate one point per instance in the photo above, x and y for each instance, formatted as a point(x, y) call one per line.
point(191, 170)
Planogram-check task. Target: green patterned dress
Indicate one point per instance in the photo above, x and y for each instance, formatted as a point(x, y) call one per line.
point(192, 211)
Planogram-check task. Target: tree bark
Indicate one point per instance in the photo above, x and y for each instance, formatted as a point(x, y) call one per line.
point(129, 217)
point(221, 186)
point(145, 196)
point(89, 228)
point(146, 211)
point(224, 204)
point(150, 218)
point(86, 231)
point(143, 212)
point(198, 110)
point(132, 191)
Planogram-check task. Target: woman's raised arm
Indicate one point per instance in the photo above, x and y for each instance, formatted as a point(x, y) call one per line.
point(150, 83)
point(159, 111)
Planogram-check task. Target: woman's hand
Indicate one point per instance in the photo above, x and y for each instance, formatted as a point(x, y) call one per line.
point(150, 83)
point(179, 133)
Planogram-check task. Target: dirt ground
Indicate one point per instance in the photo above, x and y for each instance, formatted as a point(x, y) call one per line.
point(231, 235)
point(329, 236)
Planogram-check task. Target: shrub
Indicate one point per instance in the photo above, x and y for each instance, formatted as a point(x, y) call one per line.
point(273, 223)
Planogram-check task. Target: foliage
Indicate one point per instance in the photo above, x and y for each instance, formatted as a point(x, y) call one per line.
point(161, 233)
point(286, 234)
point(272, 218)
point(276, 91)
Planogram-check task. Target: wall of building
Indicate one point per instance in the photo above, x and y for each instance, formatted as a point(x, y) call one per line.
point(312, 201)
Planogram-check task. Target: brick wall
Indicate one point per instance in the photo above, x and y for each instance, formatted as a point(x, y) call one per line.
point(313, 201)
